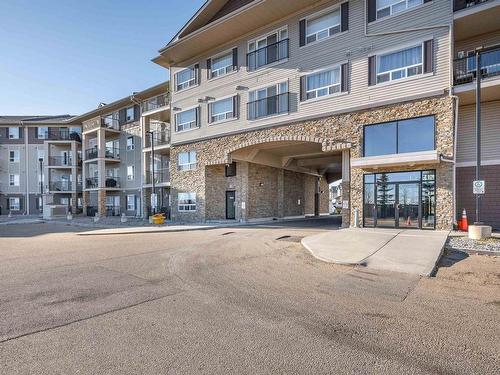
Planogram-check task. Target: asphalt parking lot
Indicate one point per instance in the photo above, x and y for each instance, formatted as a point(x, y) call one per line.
point(237, 300)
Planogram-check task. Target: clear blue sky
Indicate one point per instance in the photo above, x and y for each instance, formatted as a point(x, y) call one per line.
point(66, 56)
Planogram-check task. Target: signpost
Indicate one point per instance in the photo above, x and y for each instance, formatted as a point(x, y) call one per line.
point(478, 187)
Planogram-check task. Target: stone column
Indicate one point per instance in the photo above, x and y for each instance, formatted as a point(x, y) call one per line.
point(74, 203)
point(85, 201)
point(242, 169)
point(101, 202)
point(346, 188)
point(281, 193)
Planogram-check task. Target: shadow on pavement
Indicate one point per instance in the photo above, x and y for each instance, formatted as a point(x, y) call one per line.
point(36, 229)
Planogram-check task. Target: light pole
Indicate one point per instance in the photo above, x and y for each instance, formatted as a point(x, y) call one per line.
point(40, 160)
point(153, 191)
point(478, 132)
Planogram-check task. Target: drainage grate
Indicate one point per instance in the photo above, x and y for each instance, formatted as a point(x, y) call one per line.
point(289, 238)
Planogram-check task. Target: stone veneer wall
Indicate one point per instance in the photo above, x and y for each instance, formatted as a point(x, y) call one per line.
point(337, 132)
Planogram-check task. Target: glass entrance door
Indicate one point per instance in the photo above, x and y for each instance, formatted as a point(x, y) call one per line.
point(408, 203)
point(386, 205)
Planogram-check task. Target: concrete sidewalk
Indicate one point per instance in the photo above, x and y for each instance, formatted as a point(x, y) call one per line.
point(408, 251)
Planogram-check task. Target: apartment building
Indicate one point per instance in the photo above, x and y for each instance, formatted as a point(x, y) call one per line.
point(40, 164)
point(272, 103)
point(126, 154)
point(476, 24)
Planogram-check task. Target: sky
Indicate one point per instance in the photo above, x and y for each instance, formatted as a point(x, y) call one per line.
point(67, 56)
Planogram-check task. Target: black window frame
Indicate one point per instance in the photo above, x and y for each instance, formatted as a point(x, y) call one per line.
point(397, 134)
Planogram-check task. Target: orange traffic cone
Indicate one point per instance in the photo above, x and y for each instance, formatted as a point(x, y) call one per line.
point(408, 222)
point(464, 222)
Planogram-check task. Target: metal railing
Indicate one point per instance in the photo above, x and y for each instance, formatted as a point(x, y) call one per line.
point(158, 101)
point(268, 55)
point(112, 153)
point(110, 123)
point(62, 186)
point(113, 210)
point(91, 183)
point(272, 105)
point(463, 4)
point(160, 176)
point(62, 135)
point(112, 182)
point(91, 210)
point(160, 138)
point(91, 153)
point(62, 161)
point(464, 69)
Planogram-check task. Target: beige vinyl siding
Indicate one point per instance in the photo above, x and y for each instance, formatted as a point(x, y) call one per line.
point(351, 46)
point(434, 13)
point(485, 40)
point(490, 132)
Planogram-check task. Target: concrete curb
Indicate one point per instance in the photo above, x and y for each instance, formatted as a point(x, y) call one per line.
point(308, 248)
point(143, 231)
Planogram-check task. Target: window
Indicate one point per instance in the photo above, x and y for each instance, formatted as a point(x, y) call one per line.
point(14, 204)
point(130, 114)
point(14, 156)
point(323, 83)
point(231, 169)
point(223, 64)
point(323, 26)
point(221, 110)
point(130, 143)
point(42, 132)
point(112, 120)
point(186, 78)
point(412, 135)
point(268, 101)
point(389, 7)
point(65, 201)
point(130, 172)
point(130, 202)
point(401, 64)
point(186, 161)
point(268, 49)
point(187, 119)
point(186, 202)
point(14, 133)
point(14, 180)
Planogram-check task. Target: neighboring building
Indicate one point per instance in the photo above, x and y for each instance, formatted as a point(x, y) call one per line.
point(117, 166)
point(477, 24)
point(40, 156)
point(271, 103)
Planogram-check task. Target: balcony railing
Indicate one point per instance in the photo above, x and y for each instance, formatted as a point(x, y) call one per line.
point(61, 161)
point(160, 138)
point(268, 55)
point(270, 106)
point(91, 153)
point(61, 135)
point(64, 186)
point(112, 182)
point(464, 69)
point(112, 153)
point(157, 102)
point(110, 123)
point(463, 4)
point(91, 183)
point(113, 210)
point(161, 176)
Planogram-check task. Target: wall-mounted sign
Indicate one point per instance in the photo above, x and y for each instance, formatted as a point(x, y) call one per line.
point(345, 205)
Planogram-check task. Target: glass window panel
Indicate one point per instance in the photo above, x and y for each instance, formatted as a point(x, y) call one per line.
point(398, 177)
point(400, 59)
point(323, 22)
point(416, 134)
point(369, 205)
point(369, 178)
point(428, 204)
point(222, 106)
point(380, 139)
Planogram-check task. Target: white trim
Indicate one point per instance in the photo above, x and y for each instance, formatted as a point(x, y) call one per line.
point(398, 13)
point(322, 69)
point(226, 119)
point(330, 68)
point(222, 53)
point(324, 97)
point(265, 85)
point(401, 80)
point(400, 47)
point(265, 35)
point(323, 11)
point(192, 67)
point(197, 125)
point(320, 13)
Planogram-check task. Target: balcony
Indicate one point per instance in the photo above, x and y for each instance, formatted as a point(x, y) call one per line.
point(268, 55)
point(464, 4)
point(64, 186)
point(270, 106)
point(159, 177)
point(155, 103)
point(62, 161)
point(160, 138)
point(464, 69)
point(62, 135)
point(91, 183)
point(112, 153)
point(91, 153)
point(112, 182)
point(113, 210)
